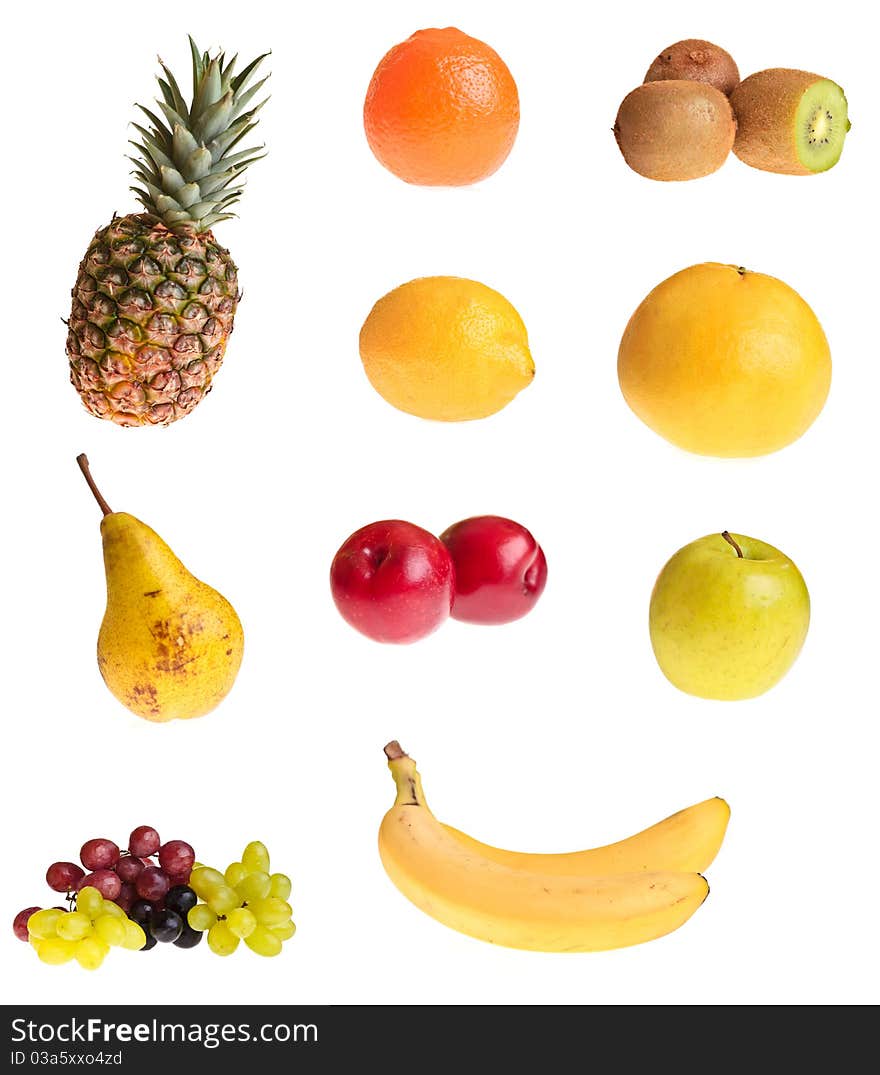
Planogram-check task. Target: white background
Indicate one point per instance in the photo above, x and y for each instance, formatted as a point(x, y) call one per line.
point(555, 733)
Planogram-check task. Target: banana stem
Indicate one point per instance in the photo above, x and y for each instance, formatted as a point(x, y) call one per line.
point(83, 461)
point(730, 541)
point(406, 777)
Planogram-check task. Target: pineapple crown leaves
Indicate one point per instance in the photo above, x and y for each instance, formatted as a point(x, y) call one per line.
point(188, 163)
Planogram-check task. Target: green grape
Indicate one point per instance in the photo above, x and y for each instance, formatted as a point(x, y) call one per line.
point(108, 907)
point(110, 929)
point(221, 940)
point(42, 924)
point(73, 926)
point(285, 930)
point(264, 942)
point(235, 874)
point(241, 922)
point(90, 952)
point(254, 887)
point(34, 942)
point(223, 899)
point(280, 886)
point(56, 950)
point(90, 901)
point(255, 857)
point(271, 911)
point(201, 917)
point(134, 938)
point(204, 881)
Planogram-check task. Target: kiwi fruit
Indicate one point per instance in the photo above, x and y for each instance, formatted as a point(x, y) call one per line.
point(789, 121)
point(695, 61)
point(675, 129)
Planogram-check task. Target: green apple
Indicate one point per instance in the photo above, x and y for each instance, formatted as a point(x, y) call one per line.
point(728, 617)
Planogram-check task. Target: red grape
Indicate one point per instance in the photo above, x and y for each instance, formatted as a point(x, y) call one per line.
point(127, 896)
point(128, 868)
point(152, 884)
point(64, 876)
point(99, 854)
point(144, 841)
point(105, 881)
point(19, 924)
point(177, 857)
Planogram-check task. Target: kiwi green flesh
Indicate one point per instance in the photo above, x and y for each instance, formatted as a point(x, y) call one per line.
point(821, 124)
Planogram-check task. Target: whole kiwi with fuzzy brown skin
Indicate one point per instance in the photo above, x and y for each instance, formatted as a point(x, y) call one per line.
point(675, 130)
point(695, 60)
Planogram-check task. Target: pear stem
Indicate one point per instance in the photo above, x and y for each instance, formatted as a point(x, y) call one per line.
point(730, 541)
point(83, 461)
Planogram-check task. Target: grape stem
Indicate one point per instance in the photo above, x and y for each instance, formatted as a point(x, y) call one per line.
point(83, 461)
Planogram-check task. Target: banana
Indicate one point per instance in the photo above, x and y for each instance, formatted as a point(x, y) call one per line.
point(685, 842)
point(514, 900)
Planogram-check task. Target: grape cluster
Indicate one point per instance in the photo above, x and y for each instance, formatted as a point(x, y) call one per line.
point(126, 876)
point(164, 919)
point(245, 903)
point(85, 934)
point(147, 874)
point(149, 894)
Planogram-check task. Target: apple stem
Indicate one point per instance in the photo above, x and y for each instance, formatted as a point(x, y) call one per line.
point(394, 750)
point(730, 541)
point(83, 461)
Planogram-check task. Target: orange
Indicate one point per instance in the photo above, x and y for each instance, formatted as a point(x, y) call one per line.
point(725, 362)
point(442, 109)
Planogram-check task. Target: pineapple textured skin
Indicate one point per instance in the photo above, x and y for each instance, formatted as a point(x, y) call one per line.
point(152, 312)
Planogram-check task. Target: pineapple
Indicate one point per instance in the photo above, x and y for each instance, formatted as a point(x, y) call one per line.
point(156, 294)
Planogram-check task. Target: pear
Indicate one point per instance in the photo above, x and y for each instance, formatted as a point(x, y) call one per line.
point(170, 646)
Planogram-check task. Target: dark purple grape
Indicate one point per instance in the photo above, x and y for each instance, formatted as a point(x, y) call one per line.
point(189, 937)
point(128, 868)
point(100, 854)
point(19, 924)
point(149, 943)
point(105, 881)
point(152, 884)
point(180, 898)
point(144, 841)
point(177, 857)
point(140, 912)
point(64, 876)
point(166, 926)
point(127, 896)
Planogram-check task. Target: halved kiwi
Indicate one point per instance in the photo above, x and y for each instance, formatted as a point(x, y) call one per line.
point(675, 130)
point(695, 60)
point(788, 121)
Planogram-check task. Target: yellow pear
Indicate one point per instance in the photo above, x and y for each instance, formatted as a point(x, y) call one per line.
point(169, 646)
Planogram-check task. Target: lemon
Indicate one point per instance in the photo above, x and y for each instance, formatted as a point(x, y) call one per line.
point(446, 348)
